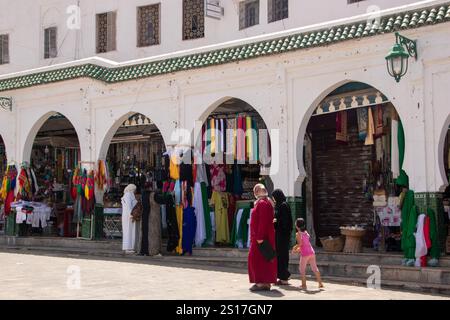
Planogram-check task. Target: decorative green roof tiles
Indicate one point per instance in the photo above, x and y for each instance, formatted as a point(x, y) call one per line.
point(387, 24)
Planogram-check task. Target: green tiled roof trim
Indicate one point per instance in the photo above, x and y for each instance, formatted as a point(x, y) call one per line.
point(324, 37)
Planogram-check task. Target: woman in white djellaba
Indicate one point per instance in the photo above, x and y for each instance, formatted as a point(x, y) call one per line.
point(129, 201)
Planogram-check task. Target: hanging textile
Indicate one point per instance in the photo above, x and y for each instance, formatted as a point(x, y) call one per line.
point(255, 146)
point(174, 167)
point(435, 251)
point(231, 210)
point(8, 188)
point(264, 147)
point(395, 157)
point(207, 213)
point(341, 126)
point(220, 202)
point(378, 121)
point(403, 179)
point(370, 128)
point(24, 191)
point(241, 140)
point(179, 213)
point(231, 138)
point(249, 138)
point(200, 233)
point(204, 139)
point(235, 230)
point(421, 246)
point(222, 136)
point(218, 177)
point(201, 175)
point(177, 191)
point(238, 188)
point(189, 228)
point(362, 116)
point(213, 136)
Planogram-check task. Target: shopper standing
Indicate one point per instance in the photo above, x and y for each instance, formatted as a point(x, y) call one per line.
point(283, 230)
point(128, 224)
point(261, 272)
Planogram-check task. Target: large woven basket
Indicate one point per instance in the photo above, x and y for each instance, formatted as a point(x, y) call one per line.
point(333, 244)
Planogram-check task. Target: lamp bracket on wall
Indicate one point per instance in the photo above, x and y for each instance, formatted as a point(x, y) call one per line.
point(410, 45)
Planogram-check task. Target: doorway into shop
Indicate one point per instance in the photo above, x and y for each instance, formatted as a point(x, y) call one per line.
point(353, 161)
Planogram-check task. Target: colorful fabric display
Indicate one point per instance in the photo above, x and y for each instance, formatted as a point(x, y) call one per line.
point(241, 140)
point(200, 233)
point(231, 138)
point(213, 136)
point(220, 202)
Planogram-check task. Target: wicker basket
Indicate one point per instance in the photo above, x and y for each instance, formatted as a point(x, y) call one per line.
point(333, 244)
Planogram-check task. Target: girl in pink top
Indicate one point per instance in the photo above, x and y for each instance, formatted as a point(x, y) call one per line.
point(307, 254)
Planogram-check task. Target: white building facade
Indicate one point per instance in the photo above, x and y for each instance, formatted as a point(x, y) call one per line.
point(282, 75)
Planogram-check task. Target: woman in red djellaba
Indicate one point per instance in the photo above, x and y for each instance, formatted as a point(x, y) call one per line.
point(261, 272)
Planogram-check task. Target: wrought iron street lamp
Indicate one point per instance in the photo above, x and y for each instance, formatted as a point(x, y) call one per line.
point(397, 60)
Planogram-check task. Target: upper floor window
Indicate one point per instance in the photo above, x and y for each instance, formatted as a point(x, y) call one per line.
point(278, 10)
point(4, 48)
point(148, 25)
point(106, 32)
point(248, 13)
point(50, 43)
point(193, 19)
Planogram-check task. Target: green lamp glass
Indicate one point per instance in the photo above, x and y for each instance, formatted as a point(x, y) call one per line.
point(398, 58)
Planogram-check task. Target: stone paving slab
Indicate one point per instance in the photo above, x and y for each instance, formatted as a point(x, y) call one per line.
point(27, 276)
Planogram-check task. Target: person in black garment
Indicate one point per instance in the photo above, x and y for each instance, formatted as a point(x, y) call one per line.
point(145, 191)
point(283, 230)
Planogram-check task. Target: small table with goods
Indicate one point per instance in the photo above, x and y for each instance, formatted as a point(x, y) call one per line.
point(353, 239)
point(112, 222)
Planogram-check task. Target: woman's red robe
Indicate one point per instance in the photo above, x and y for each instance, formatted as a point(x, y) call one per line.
point(261, 228)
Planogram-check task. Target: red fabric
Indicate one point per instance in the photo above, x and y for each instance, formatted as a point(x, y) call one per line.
point(426, 232)
point(9, 199)
point(261, 228)
point(231, 210)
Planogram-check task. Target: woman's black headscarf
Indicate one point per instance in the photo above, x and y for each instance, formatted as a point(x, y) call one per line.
point(279, 197)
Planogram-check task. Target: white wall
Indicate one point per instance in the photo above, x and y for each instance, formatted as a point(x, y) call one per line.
point(25, 21)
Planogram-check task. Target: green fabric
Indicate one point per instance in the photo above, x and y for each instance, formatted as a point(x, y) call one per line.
point(408, 203)
point(206, 212)
point(435, 247)
point(402, 179)
point(410, 238)
point(243, 227)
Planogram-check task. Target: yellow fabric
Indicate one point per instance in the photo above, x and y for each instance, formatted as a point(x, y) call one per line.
point(220, 202)
point(213, 135)
point(370, 129)
point(179, 212)
point(174, 168)
point(3, 192)
point(249, 137)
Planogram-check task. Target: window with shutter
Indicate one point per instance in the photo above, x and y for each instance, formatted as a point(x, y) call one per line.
point(248, 13)
point(106, 32)
point(4, 49)
point(50, 43)
point(278, 10)
point(148, 25)
point(193, 19)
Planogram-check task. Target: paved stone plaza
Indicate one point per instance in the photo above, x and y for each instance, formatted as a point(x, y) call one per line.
point(30, 276)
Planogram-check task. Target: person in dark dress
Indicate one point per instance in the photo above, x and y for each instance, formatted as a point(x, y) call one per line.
point(283, 230)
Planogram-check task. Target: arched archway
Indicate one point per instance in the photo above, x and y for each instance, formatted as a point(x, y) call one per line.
point(351, 155)
point(133, 147)
point(55, 150)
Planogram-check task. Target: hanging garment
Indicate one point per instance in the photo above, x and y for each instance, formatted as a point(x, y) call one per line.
point(249, 138)
point(435, 246)
point(231, 138)
point(426, 234)
point(201, 175)
point(163, 214)
point(395, 161)
point(213, 136)
point(379, 149)
point(177, 192)
point(362, 115)
point(218, 178)
point(421, 246)
point(403, 179)
point(174, 167)
point(200, 233)
point(220, 202)
point(240, 141)
point(341, 126)
point(128, 225)
point(186, 174)
point(249, 223)
point(238, 188)
point(208, 137)
point(255, 145)
point(408, 203)
point(144, 224)
point(370, 128)
point(235, 230)
point(378, 121)
point(218, 139)
point(213, 228)
point(207, 213)
point(263, 147)
point(231, 210)
point(262, 228)
point(410, 245)
point(154, 231)
point(189, 228)
point(179, 212)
